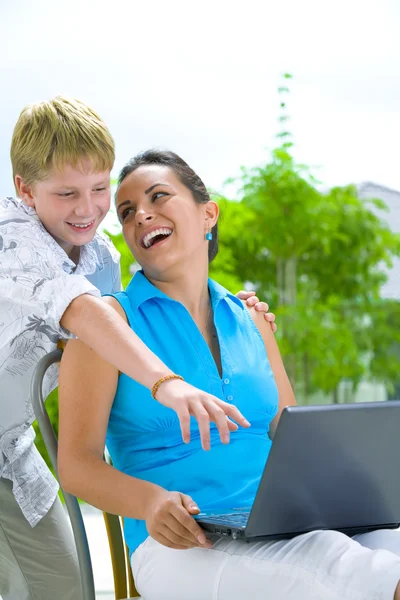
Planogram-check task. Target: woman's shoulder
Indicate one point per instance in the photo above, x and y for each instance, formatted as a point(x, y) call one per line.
point(127, 301)
point(219, 292)
point(119, 302)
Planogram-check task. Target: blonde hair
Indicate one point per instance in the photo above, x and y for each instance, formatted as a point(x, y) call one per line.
point(58, 132)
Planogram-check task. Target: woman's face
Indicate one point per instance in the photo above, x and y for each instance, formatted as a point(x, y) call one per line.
point(161, 222)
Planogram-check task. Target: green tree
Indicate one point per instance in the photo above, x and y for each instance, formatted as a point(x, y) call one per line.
point(235, 247)
point(319, 258)
point(383, 344)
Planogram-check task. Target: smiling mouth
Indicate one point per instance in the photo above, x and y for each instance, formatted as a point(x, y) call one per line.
point(155, 237)
point(81, 226)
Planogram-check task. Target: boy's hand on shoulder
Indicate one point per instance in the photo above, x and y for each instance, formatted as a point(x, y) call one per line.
point(252, 300)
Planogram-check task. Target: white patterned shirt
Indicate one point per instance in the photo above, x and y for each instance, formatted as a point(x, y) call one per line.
point(37, 283)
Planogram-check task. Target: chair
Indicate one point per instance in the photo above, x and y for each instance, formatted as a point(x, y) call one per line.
point(123, 579)
point(122, 572)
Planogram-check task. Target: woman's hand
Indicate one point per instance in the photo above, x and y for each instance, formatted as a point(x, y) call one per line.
point(188, 401)
point(251, 300)
point(169, 521)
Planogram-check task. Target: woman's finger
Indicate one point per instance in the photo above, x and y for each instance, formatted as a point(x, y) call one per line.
point(203, 421)
point(233, 413)
point(173, 532)
point(218, 416)
point(184, 422)
point(165, 541)
point(175, 523)
point(231, 425)
point(177, 519)
point(182, 516)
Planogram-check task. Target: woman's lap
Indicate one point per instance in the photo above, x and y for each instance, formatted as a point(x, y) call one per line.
point(322, 565)
point(387, 539)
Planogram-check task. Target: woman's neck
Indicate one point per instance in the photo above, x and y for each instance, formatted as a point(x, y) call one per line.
point(189, 287)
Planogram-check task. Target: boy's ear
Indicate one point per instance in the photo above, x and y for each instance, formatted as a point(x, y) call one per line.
point(24, 191)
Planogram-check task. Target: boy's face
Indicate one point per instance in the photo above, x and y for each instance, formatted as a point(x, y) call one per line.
point(70, 203)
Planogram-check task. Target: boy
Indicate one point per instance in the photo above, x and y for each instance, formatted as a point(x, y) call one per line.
point(53, 267)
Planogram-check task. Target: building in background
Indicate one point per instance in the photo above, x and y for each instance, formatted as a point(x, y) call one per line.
point(392, 199)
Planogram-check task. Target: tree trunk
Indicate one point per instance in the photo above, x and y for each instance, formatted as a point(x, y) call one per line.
point(280, 282)
point(336, 395)
point(290, 297)
point(290, 284)
point(306, 378)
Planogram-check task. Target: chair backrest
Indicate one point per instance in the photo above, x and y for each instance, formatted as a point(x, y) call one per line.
point(122, 572)
point(123, 579)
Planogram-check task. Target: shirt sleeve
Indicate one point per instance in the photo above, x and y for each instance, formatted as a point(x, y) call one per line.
point(117, 283)
point(35, 291)
point(114, 257)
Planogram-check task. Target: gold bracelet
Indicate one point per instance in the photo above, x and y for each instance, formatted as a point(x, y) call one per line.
point(157, 384)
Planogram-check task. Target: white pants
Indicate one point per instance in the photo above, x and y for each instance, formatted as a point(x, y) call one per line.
point(36, 563)
point(322, 565)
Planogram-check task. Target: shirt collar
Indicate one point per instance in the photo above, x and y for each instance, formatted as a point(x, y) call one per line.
point(89, 258)
point(143, 290)
point(218, 293)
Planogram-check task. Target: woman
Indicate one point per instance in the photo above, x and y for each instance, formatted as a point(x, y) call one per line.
point(206, 335)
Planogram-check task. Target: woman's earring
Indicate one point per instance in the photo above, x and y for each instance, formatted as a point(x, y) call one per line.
point(209, 236)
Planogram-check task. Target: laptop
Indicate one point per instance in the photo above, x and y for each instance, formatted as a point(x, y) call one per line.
point(330, 467)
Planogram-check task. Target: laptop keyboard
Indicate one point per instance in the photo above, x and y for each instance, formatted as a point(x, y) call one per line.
point(232, 520)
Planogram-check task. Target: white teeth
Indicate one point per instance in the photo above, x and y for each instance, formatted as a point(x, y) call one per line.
point(82, 226)
point(162, 231)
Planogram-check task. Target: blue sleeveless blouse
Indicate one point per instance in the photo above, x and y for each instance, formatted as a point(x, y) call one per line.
point(144, 437)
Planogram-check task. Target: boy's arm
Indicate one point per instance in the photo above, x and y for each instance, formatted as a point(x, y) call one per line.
point(101, 328)
point(41, 303)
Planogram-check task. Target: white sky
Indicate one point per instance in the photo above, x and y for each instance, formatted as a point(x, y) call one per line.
point(201, 78)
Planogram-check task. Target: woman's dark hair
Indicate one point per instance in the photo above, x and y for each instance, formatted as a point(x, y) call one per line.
point(186, 175)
